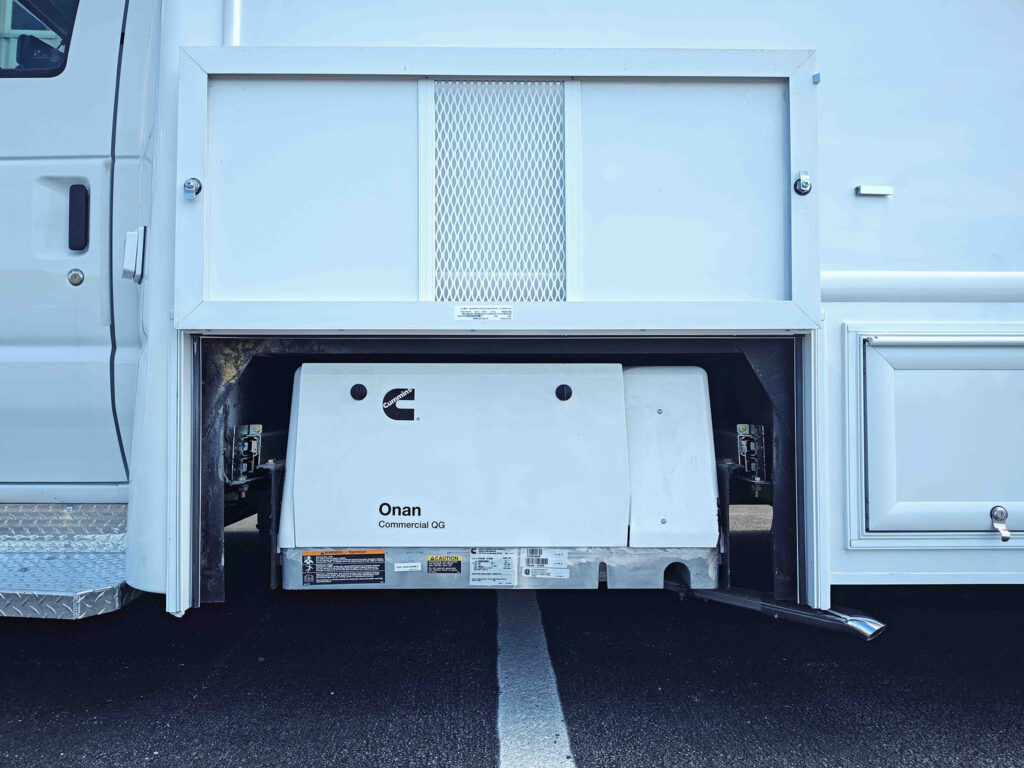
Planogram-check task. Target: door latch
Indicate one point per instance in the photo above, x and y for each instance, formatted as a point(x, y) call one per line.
point(193, 187)
point(999, 515)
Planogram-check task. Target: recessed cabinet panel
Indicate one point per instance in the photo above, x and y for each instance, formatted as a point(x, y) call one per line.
point(943, 443)
point(685, 190)
point(312, 190)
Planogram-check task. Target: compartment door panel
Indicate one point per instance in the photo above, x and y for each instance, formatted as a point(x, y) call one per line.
point(943, 443)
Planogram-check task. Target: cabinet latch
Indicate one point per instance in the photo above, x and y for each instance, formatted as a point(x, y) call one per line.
point(999, 515)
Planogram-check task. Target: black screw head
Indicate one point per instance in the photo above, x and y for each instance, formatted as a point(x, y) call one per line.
point(563, 392)
point(358, 391)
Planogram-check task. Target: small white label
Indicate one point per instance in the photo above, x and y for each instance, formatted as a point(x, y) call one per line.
point(469, 312)
point(544, 562)
point(546, 573)
point(416, 566)
point(492, 567)
point(543, 557)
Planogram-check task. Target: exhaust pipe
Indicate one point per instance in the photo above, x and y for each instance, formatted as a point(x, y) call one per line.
point(842, 619)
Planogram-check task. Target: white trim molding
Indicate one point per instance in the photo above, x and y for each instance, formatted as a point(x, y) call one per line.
point(920, 285)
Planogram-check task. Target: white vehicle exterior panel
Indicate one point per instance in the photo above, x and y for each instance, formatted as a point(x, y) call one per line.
point(917, 103)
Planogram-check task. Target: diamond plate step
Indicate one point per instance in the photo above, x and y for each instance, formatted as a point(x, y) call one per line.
point(62, 561)
point(59, 585)
point(63, 527)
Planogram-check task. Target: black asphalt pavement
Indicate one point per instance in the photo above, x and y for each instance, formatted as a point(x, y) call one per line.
point(270, 678)
point(408, 679)
point(647, 682)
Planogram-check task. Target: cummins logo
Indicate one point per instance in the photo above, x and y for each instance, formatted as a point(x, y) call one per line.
point(391, 400)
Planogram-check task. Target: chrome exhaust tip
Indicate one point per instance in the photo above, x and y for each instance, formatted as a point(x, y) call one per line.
point(858, 623)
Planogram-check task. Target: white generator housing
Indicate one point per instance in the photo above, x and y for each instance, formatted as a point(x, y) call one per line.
point(578, 461)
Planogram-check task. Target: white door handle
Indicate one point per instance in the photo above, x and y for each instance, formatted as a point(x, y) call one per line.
point(134, 254)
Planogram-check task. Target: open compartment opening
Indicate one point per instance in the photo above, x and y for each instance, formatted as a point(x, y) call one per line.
point(245, 406)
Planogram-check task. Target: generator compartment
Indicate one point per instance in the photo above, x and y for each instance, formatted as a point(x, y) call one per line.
point(498, 475)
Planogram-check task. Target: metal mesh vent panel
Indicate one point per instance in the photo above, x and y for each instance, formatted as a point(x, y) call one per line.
point(499, 191)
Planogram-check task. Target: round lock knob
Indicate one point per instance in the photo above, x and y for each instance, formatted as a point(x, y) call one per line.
point(192, 187)
point(998, 515)
point(76, 277)
point(802, 185)
point(563, 392)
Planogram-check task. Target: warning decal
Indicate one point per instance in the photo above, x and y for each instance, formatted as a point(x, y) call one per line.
point(492, 567)
point(343, 566)
point(444, 563)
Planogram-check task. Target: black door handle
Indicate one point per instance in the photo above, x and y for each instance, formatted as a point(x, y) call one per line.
point(78, 217)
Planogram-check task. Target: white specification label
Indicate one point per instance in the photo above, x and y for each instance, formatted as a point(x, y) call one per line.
point(492, 567)
point(468, 312)
point(544, 557)
point(546, 573)
point(544, 562)
point(415, 566)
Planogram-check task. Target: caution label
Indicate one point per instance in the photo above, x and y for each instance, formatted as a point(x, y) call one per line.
point(343, 566)
point(444, 563)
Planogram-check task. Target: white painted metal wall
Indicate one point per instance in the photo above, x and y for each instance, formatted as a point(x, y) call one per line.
point(906, 98)
point(918, 97)
point(922, 98)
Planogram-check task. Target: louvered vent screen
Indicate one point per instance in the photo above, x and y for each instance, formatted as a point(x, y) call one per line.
point(499, 191)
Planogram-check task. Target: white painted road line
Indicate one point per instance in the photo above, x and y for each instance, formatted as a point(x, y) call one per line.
point(531, 728)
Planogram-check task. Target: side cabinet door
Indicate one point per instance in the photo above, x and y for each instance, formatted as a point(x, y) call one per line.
point(943, 445)
point(616, 190)
point(58, 71)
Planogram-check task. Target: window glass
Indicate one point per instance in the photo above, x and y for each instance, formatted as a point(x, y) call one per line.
point(34, 36)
